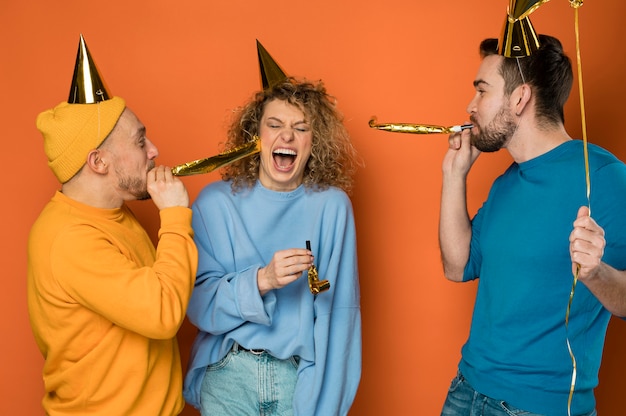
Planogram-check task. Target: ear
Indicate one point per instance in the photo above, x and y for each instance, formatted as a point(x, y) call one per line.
point(96, 163)
point(520, 98)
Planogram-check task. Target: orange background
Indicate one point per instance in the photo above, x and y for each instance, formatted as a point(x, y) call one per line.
point(183, 66)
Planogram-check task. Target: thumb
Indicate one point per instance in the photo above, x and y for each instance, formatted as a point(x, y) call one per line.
point(583, 212)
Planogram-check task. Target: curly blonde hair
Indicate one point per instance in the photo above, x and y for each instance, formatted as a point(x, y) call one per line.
point(333, 160)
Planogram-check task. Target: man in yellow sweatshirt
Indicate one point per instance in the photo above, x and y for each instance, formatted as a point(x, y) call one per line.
point(105, 304)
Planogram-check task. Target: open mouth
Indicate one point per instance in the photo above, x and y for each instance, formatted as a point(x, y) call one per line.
point(284, 158)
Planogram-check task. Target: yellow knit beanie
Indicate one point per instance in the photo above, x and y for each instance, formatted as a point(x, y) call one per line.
point(71, 131)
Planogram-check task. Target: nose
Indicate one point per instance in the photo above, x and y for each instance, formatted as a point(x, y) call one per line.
point(151, 150)
point(287, 134)
point(471, 106)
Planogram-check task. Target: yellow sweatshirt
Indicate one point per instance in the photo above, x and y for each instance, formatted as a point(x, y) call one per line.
point(105, 307)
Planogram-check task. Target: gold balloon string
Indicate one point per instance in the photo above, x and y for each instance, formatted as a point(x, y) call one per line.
point(569, 347)
point(582, 103)
point(576, 4)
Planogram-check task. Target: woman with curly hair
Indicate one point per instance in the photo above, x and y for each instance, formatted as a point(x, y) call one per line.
point(332, 159)
point(267, 344)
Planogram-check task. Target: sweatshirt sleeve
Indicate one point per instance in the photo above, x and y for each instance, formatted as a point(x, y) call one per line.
point(328, 386)
point(120, 276)
point(222, 301)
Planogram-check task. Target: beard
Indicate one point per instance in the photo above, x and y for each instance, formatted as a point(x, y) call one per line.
point(496, 134)
point(136, 186)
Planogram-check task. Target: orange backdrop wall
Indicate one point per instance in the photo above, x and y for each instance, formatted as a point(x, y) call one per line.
point(183, 66)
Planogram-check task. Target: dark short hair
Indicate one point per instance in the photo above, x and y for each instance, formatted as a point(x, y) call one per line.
point(547, 70)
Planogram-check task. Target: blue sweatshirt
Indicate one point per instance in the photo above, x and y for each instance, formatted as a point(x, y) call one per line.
point(237, 234)
point(517, 348)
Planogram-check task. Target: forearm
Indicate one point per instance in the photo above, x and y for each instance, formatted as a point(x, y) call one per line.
point(455, 231)
point(609, 286)
point(222, 303)
point(587, 249)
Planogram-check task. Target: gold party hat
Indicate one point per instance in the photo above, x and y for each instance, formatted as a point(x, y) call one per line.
point(87, 85)
point(271, 72)
point(519, 38)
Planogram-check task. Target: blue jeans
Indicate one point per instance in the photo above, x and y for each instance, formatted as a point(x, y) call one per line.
point(248, 383)
point(463, 400)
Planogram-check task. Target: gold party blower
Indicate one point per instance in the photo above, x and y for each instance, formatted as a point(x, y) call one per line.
point(315, 284)
point(417, 128)
point(209, 164)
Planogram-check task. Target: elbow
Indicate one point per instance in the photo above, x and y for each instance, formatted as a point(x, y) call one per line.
point(166, 326)
point(452, 271)
point(165, 331)
point(453, 276)
point(619, 312)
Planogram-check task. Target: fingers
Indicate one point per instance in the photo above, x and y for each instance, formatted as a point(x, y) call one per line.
point(157, 178)
point(166, 189)
point(292, 261)
point(461, 142)
point(285, 267)
point(585, 227)
point(454, 140)
point(460, 156)
point(587, 243)
point(161, 173)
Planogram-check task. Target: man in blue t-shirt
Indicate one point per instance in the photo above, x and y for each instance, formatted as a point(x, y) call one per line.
point(532, 235)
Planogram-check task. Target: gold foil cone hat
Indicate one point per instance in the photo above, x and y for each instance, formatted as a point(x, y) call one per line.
point(87, 85)
point(73, 128)
point(523, 8)
point(519, 38)
point(271, 72)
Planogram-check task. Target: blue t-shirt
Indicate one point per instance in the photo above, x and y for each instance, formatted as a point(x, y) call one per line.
point(517, 347)
point(237, 234)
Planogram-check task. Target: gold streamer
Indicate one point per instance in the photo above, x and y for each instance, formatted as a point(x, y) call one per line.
point(209, 164)
point(417, 128)
point(576, 4)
